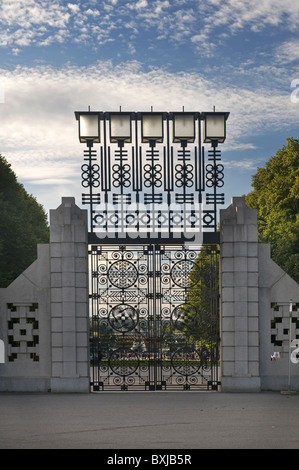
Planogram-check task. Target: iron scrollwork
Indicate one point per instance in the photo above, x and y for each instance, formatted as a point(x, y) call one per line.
point(147, 325)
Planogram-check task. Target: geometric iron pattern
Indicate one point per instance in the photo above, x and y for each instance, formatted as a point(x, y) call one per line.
point(164, 191)
point(154, 322)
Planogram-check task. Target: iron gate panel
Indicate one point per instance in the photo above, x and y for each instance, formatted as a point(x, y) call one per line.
point(154, 317)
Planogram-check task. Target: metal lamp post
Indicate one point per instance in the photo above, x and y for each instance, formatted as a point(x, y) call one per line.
point(214, 132)
point(89, 133)
point(184, 132)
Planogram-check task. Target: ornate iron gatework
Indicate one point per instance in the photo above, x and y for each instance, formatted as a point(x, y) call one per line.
point(153, 240)
point(149, 178)
point(154, 322)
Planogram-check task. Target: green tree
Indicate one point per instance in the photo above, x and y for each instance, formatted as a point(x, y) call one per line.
point(200, 312)
point(276, 198)
point(23, 224)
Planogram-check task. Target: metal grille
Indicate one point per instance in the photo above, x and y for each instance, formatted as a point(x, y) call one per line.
point(154, 317)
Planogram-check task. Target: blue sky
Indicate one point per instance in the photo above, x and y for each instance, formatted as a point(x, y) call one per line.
point(59, 56)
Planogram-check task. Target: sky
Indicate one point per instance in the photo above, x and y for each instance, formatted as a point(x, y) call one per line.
point(57, 57)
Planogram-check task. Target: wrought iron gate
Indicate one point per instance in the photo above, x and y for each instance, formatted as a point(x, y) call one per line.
point(153, 295)
point(154, 322)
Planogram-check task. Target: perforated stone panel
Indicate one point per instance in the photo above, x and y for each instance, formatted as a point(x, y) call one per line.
point(23, 332)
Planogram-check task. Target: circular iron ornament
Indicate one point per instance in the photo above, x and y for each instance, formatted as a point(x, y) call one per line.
point(152, 175)
point(101, 274)
point(102, 268)
point(165, 271)
point(142, 268)
point(117, 380)
point(214, 175)
point(186, 361)
point(165, 312)
point(184, 315)
point(193, 380)
point(180, 273)
point(185, 254)
point(208, 219)
point(143, 312)
point(165, 268)
point(220, 175)
point(90, 175)
point(130, 380)
point(122, 274)
point(103, 314)
point(180, 380)
point(123, 318)
point(129, 255)
point(142, 280)
point(184, 176)
point(123, 362)
point(121, 175)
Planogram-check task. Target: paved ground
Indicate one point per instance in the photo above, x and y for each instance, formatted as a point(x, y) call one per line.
point(149, 420)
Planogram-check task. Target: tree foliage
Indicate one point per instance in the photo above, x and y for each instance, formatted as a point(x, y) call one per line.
point(276, 197)
point(200, 311)
point(23, 224)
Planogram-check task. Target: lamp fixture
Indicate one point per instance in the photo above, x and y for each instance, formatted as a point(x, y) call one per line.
point(120, 128)
point(183, 127)
point(214, 127)
point(152, 128)
point(89, 127)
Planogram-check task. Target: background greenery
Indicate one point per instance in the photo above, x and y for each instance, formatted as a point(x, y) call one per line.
point(276, 197)
point(23, 224)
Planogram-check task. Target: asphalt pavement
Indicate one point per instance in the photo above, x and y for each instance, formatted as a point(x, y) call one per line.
point(149, 420)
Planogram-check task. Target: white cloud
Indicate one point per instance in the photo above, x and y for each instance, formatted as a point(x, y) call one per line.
point(230, 17)
point(255, 14)
point(43, 99)
point(26, 13)
point(73, 7)
point(160, 5)
point(288, 51)
point(92, 12)
point(200, 23)
point(243, 165)
point(38, 133)
point(141, 4)
point(26, 21)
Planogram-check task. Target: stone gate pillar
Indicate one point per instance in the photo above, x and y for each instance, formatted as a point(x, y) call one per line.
point(239, 297)
point(69, 298)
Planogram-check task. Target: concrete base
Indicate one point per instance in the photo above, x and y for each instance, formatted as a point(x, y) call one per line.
point(241, 384)
point(24, 384)
point(279, 382)
point(70, 385)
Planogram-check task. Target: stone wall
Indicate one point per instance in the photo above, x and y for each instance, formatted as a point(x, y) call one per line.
point(44, 321)
point(69, 298)
point(252, 289)
point(276, 289)
point(25, 323)
point(44, 312)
